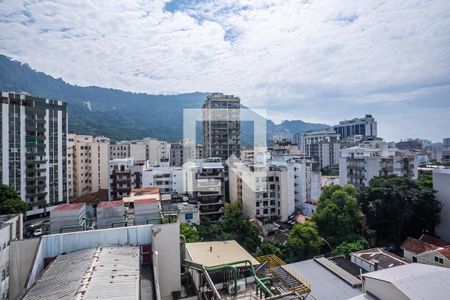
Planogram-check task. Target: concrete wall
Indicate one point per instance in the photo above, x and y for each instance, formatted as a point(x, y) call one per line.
point(441, 184)
point(21, 261)
point(166, 256)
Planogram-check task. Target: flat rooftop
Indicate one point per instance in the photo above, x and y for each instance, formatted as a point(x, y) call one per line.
point(218, 253)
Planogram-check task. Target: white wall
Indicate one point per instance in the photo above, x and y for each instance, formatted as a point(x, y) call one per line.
point(166, 249)
point(441, 184)
point(383, 290)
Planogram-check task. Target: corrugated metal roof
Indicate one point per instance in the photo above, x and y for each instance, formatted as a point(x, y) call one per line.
point(344, 275)
point(324, 284)
point(100, 273)
point(62, 278)
point(417, 281)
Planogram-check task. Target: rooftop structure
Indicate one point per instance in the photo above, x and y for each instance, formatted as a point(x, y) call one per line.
point(411, 281)
point(376, 259)
point(365, 126)
point(427, 250)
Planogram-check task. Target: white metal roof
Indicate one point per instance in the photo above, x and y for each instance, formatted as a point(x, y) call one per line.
point(417, 281)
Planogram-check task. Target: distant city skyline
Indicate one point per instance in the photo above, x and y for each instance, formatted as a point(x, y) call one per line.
point(316, 61)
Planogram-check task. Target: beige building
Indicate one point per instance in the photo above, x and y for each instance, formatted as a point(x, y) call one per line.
point(87, 164)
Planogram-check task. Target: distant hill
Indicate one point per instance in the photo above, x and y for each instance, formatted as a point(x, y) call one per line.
point(121, 115)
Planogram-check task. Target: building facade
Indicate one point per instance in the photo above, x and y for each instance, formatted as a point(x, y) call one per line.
point(125, 175)
point(34, 150)
point(322, 145)
point(221, 129)
point(358, 165)
point(366, 126)
point(203, 180)
point(441, 184)
point(88, 164)
point(167, 178)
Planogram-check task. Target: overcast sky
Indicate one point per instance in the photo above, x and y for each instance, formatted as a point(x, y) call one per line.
point(317, 60)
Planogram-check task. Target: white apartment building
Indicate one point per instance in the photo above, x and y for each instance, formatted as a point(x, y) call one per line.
point(11, 229)
point(441, 184)
point(273, 188)
point(167, 178)
point(247, 154)
point(322, 145)
point(141, 150)
point(366, 126)
point(34, 150)
point(358, 165)
point(203, 180)
point(88, 159)
point(125, 175)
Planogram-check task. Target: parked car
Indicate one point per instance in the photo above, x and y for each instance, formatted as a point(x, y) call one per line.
point(38, 232)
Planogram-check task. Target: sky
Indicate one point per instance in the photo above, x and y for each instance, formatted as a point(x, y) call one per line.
point(317, 60)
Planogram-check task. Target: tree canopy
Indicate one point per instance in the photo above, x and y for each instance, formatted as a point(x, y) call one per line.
point(346, 248)
point(304, 241)
point(338, 215)
point(10, 202)
point(190, 233)
point(398, 207)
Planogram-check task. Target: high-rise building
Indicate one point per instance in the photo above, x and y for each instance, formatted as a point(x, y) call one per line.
point(169, 179)
point(88, 164)
point(34, 150)
point(322, 145)
point(221, 126)
point(366, 126)
point(358, 165)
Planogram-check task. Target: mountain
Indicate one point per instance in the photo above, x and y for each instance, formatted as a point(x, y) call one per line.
point(121, 115)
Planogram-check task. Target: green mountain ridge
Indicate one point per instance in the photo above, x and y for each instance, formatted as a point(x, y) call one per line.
point(122, 115)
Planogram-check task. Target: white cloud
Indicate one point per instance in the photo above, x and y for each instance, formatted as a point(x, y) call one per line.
point(303, 59)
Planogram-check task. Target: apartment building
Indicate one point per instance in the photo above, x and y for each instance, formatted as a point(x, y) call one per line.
point(184, 151)
point(221, 127)
point(322, 145)
point(203, 180)
point(168, 179)
point(34, 150)
point(273, 188)
point(11, 229)
point(247, 154)
point(366, 126)
point(88, 160)
point(358, 165)
point(125, 175)
point(284, 147)
point(141, 150)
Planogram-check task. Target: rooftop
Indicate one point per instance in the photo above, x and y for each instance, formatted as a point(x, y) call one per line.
point(103, 272)
point(218, 253)
point(417, 246)
point(325, 284)
point(69, 206)
point(417, 281)
point(384, 258)
point(104, 204)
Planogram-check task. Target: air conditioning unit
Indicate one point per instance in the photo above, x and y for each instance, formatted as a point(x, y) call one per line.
point(240, 287)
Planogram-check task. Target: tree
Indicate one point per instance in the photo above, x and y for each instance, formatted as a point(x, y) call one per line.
point(304, 241)
point(234, 226)
point(10, 202)
point(398, 207)
point(190, 233)
point(346, 248)
point(425, 179)
point(267, 248)
point(237, 226)
point(337, 215)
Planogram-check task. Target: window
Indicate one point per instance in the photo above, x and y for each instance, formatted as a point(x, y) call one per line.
point(414, 259)
point(436, 258)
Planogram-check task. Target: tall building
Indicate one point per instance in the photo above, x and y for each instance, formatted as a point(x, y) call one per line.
point(34, 150)
point(204, 182)
point(358, 165)
point(441, 184)
point(141, 150)
point(88, 164)
point(322, 145)
point(221, 126)
point(366, 126)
